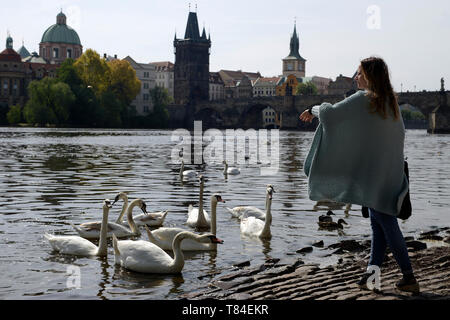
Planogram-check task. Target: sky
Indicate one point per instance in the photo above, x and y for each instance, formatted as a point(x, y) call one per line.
point(254, 35)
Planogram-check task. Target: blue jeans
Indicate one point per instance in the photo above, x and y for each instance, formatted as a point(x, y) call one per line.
point(386, 232)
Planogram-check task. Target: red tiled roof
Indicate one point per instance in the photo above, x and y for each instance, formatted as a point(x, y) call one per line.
point(10, 55)
point(163, 65)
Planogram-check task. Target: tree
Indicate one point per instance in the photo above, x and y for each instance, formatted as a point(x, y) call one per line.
point(412, 115)
point(49, 102)
point(306, 88)
point(123, 81)
point(159, 118)
point(93, 71)
point(14, 114)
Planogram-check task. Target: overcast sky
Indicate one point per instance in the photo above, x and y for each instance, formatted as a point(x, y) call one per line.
point(253, 35)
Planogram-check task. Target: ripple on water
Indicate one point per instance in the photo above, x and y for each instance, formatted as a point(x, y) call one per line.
point(62, 176)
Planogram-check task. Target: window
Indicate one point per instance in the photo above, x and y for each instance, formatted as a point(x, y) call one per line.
point(145, 85)
point(5, 84)
point(55, 53)
point(146, 97)
point(146, 109)
point(146, 75)
point(69, 53)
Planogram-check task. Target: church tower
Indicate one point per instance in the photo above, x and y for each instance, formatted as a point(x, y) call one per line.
point(294, 63)
point(191, 71)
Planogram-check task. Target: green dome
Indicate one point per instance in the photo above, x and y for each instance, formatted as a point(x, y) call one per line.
point(61, 32)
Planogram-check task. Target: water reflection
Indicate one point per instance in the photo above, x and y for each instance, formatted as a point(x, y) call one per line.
point(52, 178)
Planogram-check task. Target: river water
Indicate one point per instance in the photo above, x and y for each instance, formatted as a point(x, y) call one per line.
point(50, 178)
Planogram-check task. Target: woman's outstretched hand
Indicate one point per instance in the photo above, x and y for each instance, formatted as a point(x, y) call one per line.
point(306, 116)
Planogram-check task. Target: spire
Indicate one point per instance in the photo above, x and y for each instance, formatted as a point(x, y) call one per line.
point(9, 41)
point(192, 30)
point(204, 33)
point(295, 43)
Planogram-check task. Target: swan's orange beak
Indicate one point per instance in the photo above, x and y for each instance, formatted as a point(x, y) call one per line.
point(217, 240)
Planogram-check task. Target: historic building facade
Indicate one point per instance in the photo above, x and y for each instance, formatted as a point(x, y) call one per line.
point(164, 75)
point(216, 87)
point(14, 76)
point(233, 79)
point(60, 42)
point(191, 70)
point(294, 63)
point(342, 85)
point(146, 73)
point(265, 87)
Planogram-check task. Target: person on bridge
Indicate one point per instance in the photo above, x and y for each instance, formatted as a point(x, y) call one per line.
point(356, 156)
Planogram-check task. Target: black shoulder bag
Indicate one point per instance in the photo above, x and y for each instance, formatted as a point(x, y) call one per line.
point(406, 210)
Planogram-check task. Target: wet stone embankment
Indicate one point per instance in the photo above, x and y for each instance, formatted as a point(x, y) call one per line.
point(275, 280)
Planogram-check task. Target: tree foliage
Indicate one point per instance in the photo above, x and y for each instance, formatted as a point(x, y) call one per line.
point(159, 118)
point(49, 102)
point(14, 115)
point(306, 88)
point(412, 115)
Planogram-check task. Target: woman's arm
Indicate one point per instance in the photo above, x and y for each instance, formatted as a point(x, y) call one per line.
point(309, 114)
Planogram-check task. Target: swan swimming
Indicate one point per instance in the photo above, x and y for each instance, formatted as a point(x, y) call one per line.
point(91, 230)
point(196, 219)
point(254, 227)
point(146, 257)
point(231, 170)
point(187, 174)
point(249, 211)
point(152, 219)
point(78, 246)
point(163, 237)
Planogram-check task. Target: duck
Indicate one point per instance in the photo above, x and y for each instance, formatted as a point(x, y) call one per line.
point(187, 174)
point(163, 237)
point(151, 219)
point(331, 225)
point(254, 227)
point(91, 230)
point(249, 211)
point(198, 217)
point(327, 217)
point(146, 257)
point(78, 246)
point(231, 170)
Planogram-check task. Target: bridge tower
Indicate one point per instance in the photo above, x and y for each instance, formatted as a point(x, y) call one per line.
point(191, 71)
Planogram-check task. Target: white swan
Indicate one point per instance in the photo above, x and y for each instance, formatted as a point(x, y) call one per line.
point(187, 174)
point(254, 227)
point(91, 230)
point(146, 257)
point(250, 211)
point(163, 237)
point(231, 170)
point(78, 246)
point(198, 218)
point(152, 219)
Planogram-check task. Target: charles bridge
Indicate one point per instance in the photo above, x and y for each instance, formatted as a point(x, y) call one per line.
point(247, 113)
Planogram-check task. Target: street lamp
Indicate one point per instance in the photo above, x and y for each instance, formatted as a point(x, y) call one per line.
point(401, 87)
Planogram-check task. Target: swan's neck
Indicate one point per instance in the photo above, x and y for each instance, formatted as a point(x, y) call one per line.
point(103, 244)
point(213, 221)
point(178, 261)
point(226, 168)
point(130, 220)
point(201, 220)
point(266, 230)
point(181, 170)
point(124, 209)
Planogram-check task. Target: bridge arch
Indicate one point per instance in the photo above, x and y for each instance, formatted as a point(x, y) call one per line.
point(210, 118)
point(253, 116)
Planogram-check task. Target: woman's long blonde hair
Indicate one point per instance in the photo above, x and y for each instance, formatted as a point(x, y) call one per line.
point(380, 89)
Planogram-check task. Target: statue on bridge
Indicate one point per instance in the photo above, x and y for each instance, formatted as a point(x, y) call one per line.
point(442, 84)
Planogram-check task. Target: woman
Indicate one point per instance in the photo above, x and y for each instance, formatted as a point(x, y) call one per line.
point(357, 157)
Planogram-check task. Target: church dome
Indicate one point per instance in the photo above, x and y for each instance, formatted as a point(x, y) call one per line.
point(61, 32)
